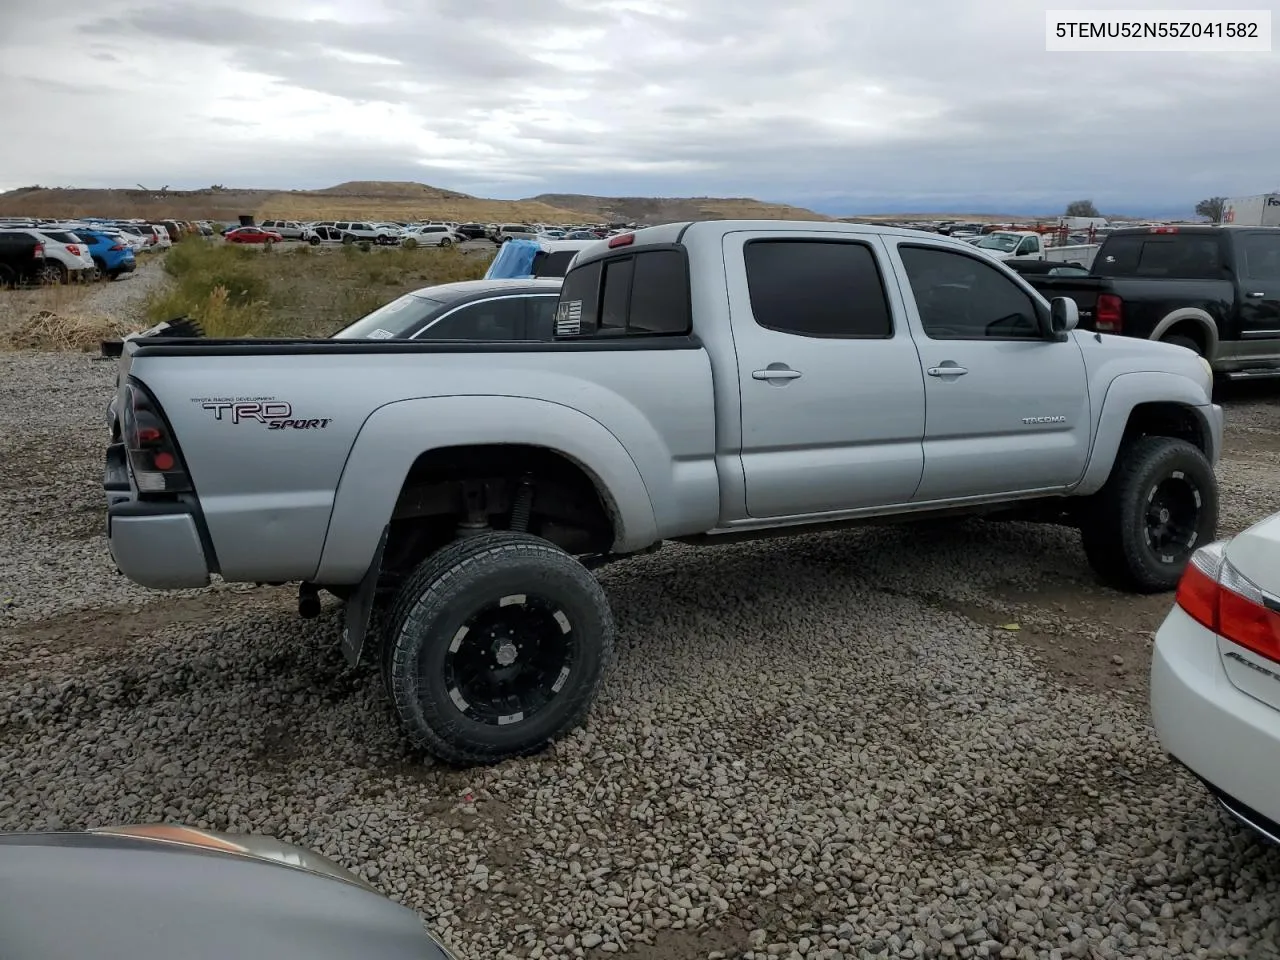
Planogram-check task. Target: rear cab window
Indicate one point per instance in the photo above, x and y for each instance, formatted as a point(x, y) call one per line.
point(1177, 256)
point(644, 292)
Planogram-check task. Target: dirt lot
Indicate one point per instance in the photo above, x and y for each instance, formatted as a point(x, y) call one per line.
point(904, 742)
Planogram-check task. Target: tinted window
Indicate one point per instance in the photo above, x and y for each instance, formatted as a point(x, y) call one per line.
point(1260, 256)
point(1186, 256)
point(554, 264)
point(62, 236)
point(541, 315)
point(488, 320)
point(817, 288)
point(616, 295)
point(659, 293)
point(579, 301)
point(962, 298)
point(402, 317)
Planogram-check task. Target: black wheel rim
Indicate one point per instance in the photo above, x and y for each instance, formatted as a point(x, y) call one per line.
point(1171, 521)
point(510, 659)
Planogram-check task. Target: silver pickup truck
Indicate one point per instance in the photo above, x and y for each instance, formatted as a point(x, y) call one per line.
point(709, 381)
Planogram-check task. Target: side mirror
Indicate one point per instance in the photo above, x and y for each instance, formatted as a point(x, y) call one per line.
point(1064, 315)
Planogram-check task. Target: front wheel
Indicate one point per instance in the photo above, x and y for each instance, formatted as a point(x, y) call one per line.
point(314, 241)
point(1158, 506)
point(495, 646)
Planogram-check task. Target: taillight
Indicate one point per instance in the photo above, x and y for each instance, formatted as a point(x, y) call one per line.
point(117, 248)
point(154, 460)
point(1218, 596)
point(1108, 313)
point(1164, 230)
point(73, 249)
point(39, 252)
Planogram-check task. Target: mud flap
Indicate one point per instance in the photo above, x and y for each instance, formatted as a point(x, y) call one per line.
point(359, 607)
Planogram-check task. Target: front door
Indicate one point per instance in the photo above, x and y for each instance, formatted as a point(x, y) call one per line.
point(832, 397)
point(1008, 410)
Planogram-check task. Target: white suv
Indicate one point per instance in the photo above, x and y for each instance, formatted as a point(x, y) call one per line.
point(289, 229)
point(364, 230)
point(66, 256)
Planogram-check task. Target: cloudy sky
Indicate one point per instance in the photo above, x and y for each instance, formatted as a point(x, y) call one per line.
point(840, 105)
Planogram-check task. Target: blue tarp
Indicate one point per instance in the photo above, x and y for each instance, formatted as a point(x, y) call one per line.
point(514, 261)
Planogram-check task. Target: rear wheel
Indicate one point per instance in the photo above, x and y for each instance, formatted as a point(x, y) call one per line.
point(1159, 504)
point(53, 273)
point(99, 269)
point(495, 646)
point(446, 242)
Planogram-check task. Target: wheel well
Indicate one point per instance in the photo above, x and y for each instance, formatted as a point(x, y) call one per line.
point(453, 491)
point(1165, 420)
point(1192, 331)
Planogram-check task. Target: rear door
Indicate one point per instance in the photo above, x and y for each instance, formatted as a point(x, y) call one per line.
point(1257, 255)
point(1008, 410)
point(831, 390)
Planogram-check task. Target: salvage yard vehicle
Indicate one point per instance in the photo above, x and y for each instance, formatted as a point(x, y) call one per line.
point(99, 892)
point(22, 258)
point(1215, 674)
point(467, 310)
point(708, 382)
point(252, 235)
point(1212, 289)
point(1029, 245)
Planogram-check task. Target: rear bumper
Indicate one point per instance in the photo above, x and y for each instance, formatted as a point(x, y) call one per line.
point(154, 544)
point(1227, 738)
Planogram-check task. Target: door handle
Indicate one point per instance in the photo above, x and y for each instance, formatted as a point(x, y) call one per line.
point(947, 370)
point(1258, 294)
point(780, 373)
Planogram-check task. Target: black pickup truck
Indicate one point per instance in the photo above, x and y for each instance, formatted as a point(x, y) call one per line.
point(1212, 289)
point(21, 258)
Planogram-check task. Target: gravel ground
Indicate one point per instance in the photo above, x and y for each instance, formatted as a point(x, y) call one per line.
point(820, 747)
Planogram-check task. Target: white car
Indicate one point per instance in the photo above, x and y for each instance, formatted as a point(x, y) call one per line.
point(1215, 674)
point(372, 232)
point(436, 235)
point(66, 257)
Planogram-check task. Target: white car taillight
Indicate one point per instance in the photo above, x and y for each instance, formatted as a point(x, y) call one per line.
point(1217, 595)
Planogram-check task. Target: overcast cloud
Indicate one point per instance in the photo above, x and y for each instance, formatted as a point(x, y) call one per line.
point(840, 105)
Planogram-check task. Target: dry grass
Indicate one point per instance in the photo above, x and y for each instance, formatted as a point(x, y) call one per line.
point(54, 318)
point(46, 330)
point(237, 291)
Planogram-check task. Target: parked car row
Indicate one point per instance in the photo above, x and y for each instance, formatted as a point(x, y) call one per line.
point(63, 253)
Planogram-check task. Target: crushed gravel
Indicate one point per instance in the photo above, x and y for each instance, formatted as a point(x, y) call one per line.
point(829, 746)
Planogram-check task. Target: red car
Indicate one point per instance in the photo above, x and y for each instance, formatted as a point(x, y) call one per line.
point(252, 235)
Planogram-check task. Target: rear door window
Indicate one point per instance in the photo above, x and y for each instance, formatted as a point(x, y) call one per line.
point(817, 288)
point(1260, 256)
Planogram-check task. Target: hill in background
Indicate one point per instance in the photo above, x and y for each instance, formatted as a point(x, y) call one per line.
point(669, 209)
point(381, 200)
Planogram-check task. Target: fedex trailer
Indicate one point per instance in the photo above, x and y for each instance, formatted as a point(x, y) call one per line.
point(1262, 210)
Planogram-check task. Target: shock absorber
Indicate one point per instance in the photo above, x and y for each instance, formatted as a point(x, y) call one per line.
point(522, 505)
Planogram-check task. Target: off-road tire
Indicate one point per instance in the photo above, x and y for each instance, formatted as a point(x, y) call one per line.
point(1113, 524)
point(444, 593)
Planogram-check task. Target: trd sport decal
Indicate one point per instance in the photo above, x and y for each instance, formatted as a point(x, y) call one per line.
point(271, 413)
